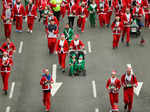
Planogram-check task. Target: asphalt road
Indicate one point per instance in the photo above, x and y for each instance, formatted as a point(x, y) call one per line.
point(76, 94)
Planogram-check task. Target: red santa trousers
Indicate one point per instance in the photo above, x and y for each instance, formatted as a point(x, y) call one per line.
point(46, 100)
point(19, 22)
point(102, 19)
point(62, 59)
point(113, 98)
point(30, 22)
point(7, 30)
point(63, 11)
point(147, 20)
point(81, 23)
point(5, 77)
point(108, 17)
point(128, 97)
point(116, 39)
point(52, 44)
point(126, 30)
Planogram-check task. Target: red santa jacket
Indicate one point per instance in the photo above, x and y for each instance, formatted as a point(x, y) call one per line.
point(19, 11)
point(5, 64)
point(31, 12)
point(62, 47)
point(126, 19)
point(128, 83)
point(9, 48)
point(137, 12)
point(117, 28)
point(82, 12)
point(71, 9)
point(7, 14)
point(113, 84)
point(45, 82)
point(42, 4)
point(102, 7)
point(76, 45)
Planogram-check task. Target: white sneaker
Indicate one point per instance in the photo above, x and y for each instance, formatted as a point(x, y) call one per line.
point(30, 31)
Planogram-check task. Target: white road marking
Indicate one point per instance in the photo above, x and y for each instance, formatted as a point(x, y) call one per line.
point(138, 88)
point(20, 47)
point(94, 89)
point(96, 110)
point(55, 85)
point(54, 72)
point(89, 46)
point(7, 109)
point(12, 90)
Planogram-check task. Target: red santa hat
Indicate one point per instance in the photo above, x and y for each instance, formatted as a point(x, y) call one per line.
point(113, 72)
point(62, 35)
point(77, 35)
point(137, 3)
point(115, 108)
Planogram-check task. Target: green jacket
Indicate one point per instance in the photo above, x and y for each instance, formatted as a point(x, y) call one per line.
point(68, 34)
point(92, 9)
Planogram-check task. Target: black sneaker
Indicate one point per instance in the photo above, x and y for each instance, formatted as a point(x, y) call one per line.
point(127, 44)
point(5, 92)
point(125, 106)
point(63, 70)
point(122, 39)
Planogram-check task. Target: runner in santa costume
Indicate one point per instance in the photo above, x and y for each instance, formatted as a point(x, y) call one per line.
point(102, 11)
point(92, 10)
point(45, 82)
point(71, 7)
point(126, 19)
point(9, 47)
point(7, 17)
point(82, 13)
point(137, 14)
point(19, 13)
point(42, 4)
point(7, 3)
point(68, 32)
point(128, 81)
point(52, 36)
point(62, 49)
point(117, 28)
point(76, 44)
point(5, 67)
point(109, 13)
point(113, 86)
point(146, 12)
point(31, 14)
point(63, 9)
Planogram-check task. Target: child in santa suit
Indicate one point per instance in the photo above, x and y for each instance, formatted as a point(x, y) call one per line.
point(113, 86)
point(117, 28)
point(73, 65)
point(81, 63)
point(7, 17)
point(128, 81)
